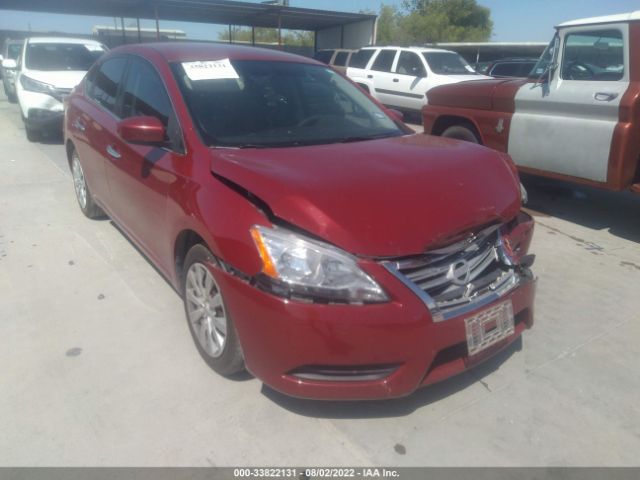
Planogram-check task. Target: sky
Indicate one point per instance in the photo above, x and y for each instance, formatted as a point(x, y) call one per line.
point(514, 20)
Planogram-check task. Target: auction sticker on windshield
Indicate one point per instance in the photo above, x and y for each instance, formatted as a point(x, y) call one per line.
point(489, 327)
point(210, 70)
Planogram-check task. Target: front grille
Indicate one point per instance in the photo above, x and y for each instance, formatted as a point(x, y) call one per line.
point(460, 276)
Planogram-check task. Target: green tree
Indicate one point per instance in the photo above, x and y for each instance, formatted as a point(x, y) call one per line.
point(387, 25)
point(429, 21)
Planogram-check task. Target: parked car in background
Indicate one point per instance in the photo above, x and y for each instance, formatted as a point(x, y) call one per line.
point(10, 52)
point(338, 58)
point(575, 118)
point(48, 69)
point(400, 77)
point(511, 67)
point(315, 240)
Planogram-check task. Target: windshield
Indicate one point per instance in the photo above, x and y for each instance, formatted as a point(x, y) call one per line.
point(14, 50)
point(62, 56)
point(545, 59)
point(280, 104)
point(448, 63)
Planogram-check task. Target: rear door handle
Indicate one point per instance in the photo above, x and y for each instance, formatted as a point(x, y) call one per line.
point(369, 76)
point(396, 80)
point(605, 96)
point(113, 152)
point(78, 125)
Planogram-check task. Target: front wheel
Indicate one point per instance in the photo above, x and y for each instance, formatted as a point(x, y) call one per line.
point(83, 195)
point(33, 135)
point(211, 326)
point(461, 132)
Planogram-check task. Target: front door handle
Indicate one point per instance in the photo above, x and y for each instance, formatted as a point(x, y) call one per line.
point(396, 80)
point(113, 152)
point(605, 96)
point(369, 76)
point(78, 125)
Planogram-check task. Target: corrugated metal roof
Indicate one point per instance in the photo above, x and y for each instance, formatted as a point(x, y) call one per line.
point(204, 11)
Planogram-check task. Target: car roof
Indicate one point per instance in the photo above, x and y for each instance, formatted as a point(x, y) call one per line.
point(203, 51)
point(409, 49)
point(79, 41)
point(622, 17)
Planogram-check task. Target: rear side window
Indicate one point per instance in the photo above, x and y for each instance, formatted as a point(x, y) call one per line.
point(384, 61)
point(324, 56)
point(361, 58)
point(341, 59)
point(596, 56)
point(144, 94)
point(104, 88)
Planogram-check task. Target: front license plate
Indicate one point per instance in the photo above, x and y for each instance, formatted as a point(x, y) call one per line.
point(489, 327)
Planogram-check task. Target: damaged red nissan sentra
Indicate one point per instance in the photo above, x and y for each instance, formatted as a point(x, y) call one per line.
point(316, 241)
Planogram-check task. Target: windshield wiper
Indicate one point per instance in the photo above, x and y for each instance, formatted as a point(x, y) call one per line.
point(364, 138)
point(251, 145)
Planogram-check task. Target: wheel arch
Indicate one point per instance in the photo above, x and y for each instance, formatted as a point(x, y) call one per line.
point(364, 86)
point(69, 148)
point(445, 121)
point(185, 240)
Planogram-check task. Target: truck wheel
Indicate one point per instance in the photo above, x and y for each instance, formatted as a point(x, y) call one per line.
point(460, 132)
point(209, 321)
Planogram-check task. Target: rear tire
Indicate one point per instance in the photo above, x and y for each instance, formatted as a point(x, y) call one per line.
point(83, 194)
point(210, 324)
point(461, 132)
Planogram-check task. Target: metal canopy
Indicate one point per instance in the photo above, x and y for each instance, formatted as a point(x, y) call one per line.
point(202, 11)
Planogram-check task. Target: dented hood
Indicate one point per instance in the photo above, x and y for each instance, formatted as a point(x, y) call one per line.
point(379, 198)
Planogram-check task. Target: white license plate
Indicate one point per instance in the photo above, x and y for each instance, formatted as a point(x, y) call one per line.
point(489, 327)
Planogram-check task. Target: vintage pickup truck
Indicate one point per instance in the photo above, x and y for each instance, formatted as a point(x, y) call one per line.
point(576, 118)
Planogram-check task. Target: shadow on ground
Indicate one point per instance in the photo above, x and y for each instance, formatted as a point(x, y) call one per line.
point(617, 212)
point(395, 407)
point(51, 138)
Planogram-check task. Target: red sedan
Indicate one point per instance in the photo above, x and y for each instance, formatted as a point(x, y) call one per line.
point(316, 241)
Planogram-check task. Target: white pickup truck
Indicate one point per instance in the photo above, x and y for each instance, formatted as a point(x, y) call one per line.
point(576, 118)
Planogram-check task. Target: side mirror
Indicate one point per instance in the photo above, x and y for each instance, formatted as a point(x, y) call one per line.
point(142, 130)
point(396, 114)
point(9, 63)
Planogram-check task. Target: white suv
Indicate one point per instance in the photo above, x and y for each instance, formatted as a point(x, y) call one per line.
point(48, 69)
point(400, 77)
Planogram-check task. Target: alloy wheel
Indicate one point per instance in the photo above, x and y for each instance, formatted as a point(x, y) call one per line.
point(205, 309)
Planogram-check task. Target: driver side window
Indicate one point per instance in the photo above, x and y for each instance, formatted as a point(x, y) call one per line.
point(594, 56)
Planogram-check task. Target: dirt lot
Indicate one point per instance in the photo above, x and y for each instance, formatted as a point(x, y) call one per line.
point(97, 366)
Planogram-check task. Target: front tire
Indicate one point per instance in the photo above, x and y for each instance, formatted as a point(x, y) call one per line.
point(33, 135)
point(83, 194)
point(209, 322)
point(461, 132)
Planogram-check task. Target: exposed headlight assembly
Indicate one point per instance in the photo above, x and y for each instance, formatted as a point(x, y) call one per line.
point(36, 86)
point(300, 267)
